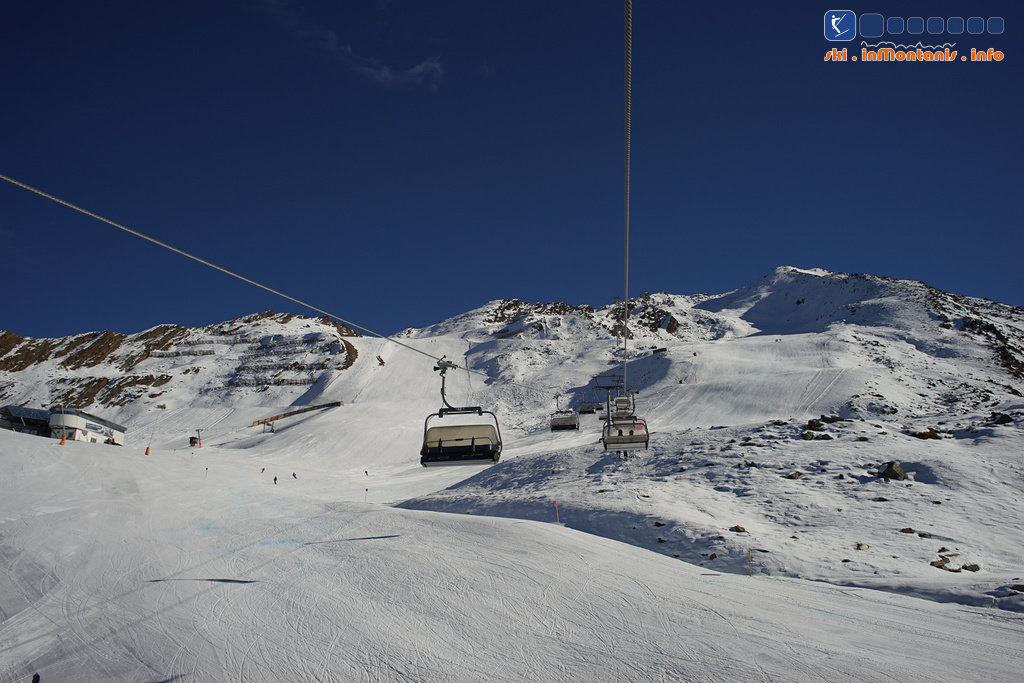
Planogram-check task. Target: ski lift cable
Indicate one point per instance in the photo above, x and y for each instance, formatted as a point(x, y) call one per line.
point(199, 260)
point(204, 262)
point(628, 55)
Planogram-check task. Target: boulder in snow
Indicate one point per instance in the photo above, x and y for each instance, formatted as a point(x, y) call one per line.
point(891, 470)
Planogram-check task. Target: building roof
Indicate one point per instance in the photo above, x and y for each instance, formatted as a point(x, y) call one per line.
point(43, 415)
point(82, 413)
point(27, 413)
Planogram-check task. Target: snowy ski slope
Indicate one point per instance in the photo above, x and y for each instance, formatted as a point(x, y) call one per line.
point(122, 567)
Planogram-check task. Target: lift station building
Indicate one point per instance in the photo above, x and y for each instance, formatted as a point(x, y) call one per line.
point(76, 425)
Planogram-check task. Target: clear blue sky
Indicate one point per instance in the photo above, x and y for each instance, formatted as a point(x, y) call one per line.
point(398, 162)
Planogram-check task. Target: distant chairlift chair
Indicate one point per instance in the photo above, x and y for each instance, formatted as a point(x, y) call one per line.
point(462, 444)
point(590, 407)
point(564, 419)
point(607, 384)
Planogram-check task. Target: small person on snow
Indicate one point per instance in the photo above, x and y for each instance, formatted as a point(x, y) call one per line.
point(35, 678)
point(293, 476)
point(275, 480)
point(263, 470)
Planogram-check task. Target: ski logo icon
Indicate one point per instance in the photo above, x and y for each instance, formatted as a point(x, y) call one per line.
point(840, 25)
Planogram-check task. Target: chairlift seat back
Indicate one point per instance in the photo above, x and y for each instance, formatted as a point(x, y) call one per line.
point(565, 419)
point(624, 435)
point(460, 445)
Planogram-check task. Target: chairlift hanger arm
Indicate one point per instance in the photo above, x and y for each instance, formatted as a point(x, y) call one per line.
point(444, 366)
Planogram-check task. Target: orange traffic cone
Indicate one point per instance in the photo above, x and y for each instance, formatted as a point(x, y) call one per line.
point(63, 438)
point(147, 450)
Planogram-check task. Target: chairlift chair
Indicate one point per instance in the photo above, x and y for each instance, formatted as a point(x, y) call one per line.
point(564, 419)
point(590, 407)
point(477, 443)
point(607, 384)
point(623, 430)
point(473, 443)
point(620, 408)
point(625, 435)
point(623, 407)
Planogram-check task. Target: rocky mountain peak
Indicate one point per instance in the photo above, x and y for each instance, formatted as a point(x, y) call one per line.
point(251, 353)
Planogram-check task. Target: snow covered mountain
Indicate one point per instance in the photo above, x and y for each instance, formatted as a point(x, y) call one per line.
point(774, 409)
point(952, 352)
point(292, 357)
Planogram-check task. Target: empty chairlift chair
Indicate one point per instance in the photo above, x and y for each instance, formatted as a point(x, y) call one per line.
point(564, 419)
point(589, 407)
point(460, 444)
point(606, 384)
point(622, 407)
point(466, 443)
